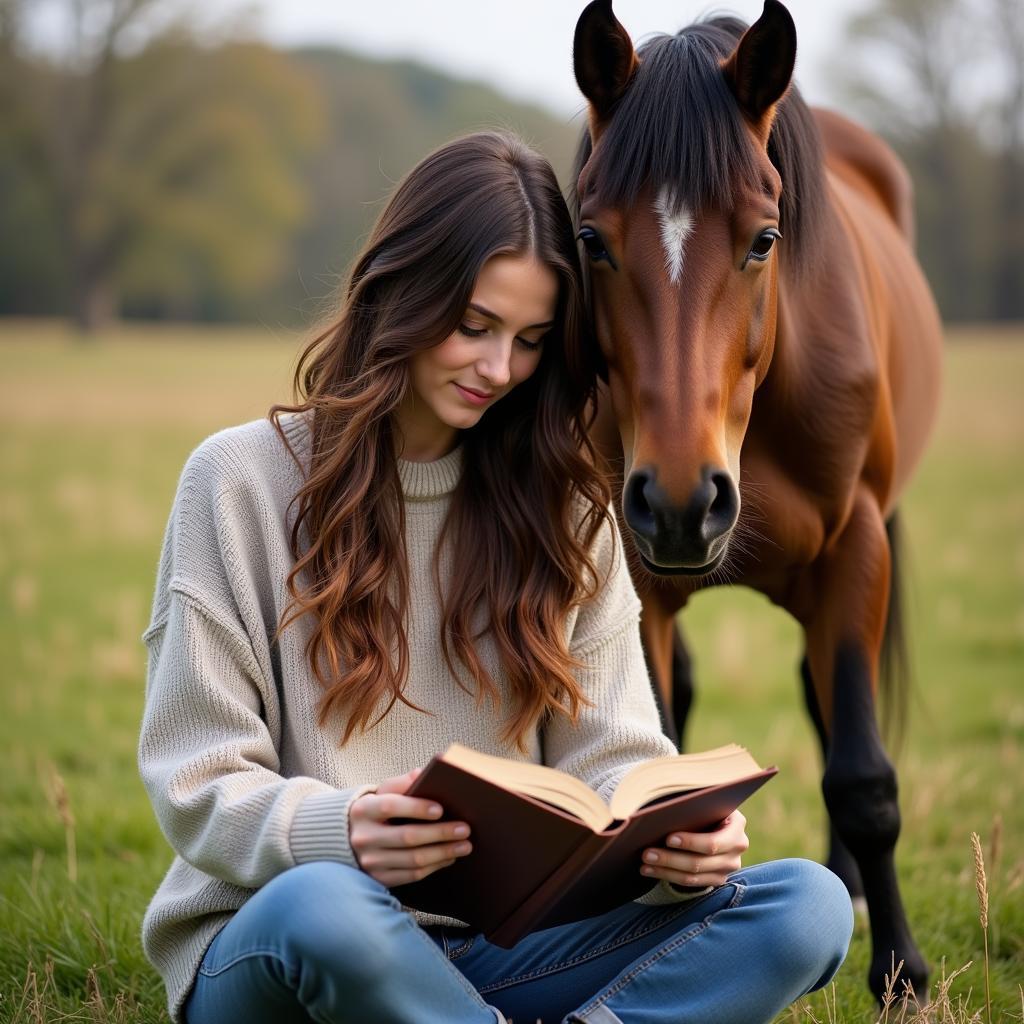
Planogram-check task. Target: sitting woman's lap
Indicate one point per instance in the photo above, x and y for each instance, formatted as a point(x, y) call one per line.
point(327, 942)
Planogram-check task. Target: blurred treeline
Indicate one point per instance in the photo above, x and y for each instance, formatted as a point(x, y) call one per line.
point(179, 178)
point(158, 172)
point(943, 82)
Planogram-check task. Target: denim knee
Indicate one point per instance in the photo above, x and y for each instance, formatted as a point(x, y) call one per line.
point(815, 923)
point(331, 913)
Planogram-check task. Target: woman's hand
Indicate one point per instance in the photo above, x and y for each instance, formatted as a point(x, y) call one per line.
point(396, 854)
point(699, 858)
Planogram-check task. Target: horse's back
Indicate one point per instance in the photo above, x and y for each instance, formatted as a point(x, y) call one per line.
point(873, 194)
point(867, 163)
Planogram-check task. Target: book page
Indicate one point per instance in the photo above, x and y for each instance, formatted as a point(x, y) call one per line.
point(537, 780)
point(662, 776)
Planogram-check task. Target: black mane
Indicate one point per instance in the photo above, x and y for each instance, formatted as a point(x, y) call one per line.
point(679, 125)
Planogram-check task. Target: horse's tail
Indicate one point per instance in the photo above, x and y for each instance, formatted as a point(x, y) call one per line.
point(895, 678)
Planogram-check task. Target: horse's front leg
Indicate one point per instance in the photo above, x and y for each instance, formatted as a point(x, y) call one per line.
point(668, 661)
point(659, 636)
point(844, 635)
point(840, 860)
point(682, 683)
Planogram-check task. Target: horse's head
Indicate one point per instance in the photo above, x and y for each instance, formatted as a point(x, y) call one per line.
point(679, 211)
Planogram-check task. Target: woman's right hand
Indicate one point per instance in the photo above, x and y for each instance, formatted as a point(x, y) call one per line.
point(396, 854)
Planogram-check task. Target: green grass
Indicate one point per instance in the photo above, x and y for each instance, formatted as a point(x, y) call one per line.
point(92, 438)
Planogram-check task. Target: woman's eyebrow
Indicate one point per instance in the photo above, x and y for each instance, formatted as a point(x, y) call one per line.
point(497, 319)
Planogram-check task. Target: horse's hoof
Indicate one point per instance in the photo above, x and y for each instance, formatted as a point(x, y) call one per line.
point(912, 973)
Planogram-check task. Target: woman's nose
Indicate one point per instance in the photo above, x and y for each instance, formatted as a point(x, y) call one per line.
point(496, 365)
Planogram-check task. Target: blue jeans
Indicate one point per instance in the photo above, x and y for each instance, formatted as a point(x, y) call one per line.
point(326, 942)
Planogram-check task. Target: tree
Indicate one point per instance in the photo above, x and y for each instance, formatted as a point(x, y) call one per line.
point(1008, 272)
point(171, 165)
point(942, 81)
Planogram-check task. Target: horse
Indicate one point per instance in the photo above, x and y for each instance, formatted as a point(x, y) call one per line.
point(770, 369)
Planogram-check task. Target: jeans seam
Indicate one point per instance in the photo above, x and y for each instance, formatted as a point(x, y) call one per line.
point(465, 947)
point(662, 952)
point(470, 989)
point(247, 955)
point(645, 929)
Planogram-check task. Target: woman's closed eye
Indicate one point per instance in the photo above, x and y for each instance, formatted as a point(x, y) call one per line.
point(530, 346)
point(475, 332)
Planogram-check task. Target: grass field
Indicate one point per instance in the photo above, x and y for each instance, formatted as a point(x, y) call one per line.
point(92, 438)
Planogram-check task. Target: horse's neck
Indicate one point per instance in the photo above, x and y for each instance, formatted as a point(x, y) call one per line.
point(813, 412)
point(820, 326)
point(784, 372)
point(805, 357)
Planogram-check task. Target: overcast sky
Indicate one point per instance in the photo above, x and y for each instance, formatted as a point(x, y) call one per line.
point(526, 47)
point(523, 48)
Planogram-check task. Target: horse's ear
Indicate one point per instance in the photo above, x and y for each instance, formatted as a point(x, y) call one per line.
point(760, 69)
point(603, 57)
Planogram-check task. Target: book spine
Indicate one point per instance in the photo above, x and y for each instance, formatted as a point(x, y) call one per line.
point(533, 909)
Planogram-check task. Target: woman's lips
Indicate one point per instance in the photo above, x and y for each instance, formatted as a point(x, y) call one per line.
point(472, 397)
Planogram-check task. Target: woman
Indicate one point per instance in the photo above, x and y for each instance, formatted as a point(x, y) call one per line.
point(420, 552)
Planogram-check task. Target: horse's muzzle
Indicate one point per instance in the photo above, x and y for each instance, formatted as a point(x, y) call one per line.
point(690, 538)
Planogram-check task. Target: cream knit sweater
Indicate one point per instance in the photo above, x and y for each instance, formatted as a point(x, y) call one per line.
point(244, 783)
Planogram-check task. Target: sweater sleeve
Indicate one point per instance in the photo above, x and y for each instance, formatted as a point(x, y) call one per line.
point(207, 755)
point(622, 728)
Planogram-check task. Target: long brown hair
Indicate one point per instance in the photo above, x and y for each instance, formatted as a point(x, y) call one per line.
point(533, 491)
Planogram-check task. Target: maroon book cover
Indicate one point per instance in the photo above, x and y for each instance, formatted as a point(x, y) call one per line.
point(534, 866)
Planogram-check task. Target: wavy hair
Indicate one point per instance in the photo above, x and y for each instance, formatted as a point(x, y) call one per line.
point(533, 491)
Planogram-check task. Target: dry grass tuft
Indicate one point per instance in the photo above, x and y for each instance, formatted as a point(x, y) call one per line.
point(905, 1008)
point(982, 883)
point(899, 1003)
point(62, 802)
point(981, 880)
point(39, 1001)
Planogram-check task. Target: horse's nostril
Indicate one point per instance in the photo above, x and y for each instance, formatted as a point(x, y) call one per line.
point(635, 506)
point(721, 514)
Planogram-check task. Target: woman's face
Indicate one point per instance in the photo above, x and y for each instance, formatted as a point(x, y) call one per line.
point(496, 346)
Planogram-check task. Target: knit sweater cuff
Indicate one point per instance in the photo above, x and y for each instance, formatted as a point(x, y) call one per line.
point(687, 892)
point(666, 892)
point(320, 828)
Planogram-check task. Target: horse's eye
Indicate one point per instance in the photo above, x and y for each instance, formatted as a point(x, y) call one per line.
point(763, 245)
point(594, 245)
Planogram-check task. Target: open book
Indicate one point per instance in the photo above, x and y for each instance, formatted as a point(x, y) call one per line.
point(547, 849)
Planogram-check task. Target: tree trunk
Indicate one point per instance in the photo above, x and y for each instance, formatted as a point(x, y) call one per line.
point(1008, 275)
point(94, 304)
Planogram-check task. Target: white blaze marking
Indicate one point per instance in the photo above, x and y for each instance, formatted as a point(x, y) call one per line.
point(675, 229)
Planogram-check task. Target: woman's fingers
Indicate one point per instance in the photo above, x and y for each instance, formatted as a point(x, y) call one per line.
point(397, 852)
point(693, 865)
point(730, 837)
point(382, 806)
point(401, 877)
point(396, 865)
point(690, 881)
point(674, 866)
point(699, 858)
point(381, 859)
point(401, 837)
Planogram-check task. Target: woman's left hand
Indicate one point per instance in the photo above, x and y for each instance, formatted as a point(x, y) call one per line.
point(699, 858)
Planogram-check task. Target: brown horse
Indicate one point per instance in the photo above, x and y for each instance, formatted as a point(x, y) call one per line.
point(773, 365)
